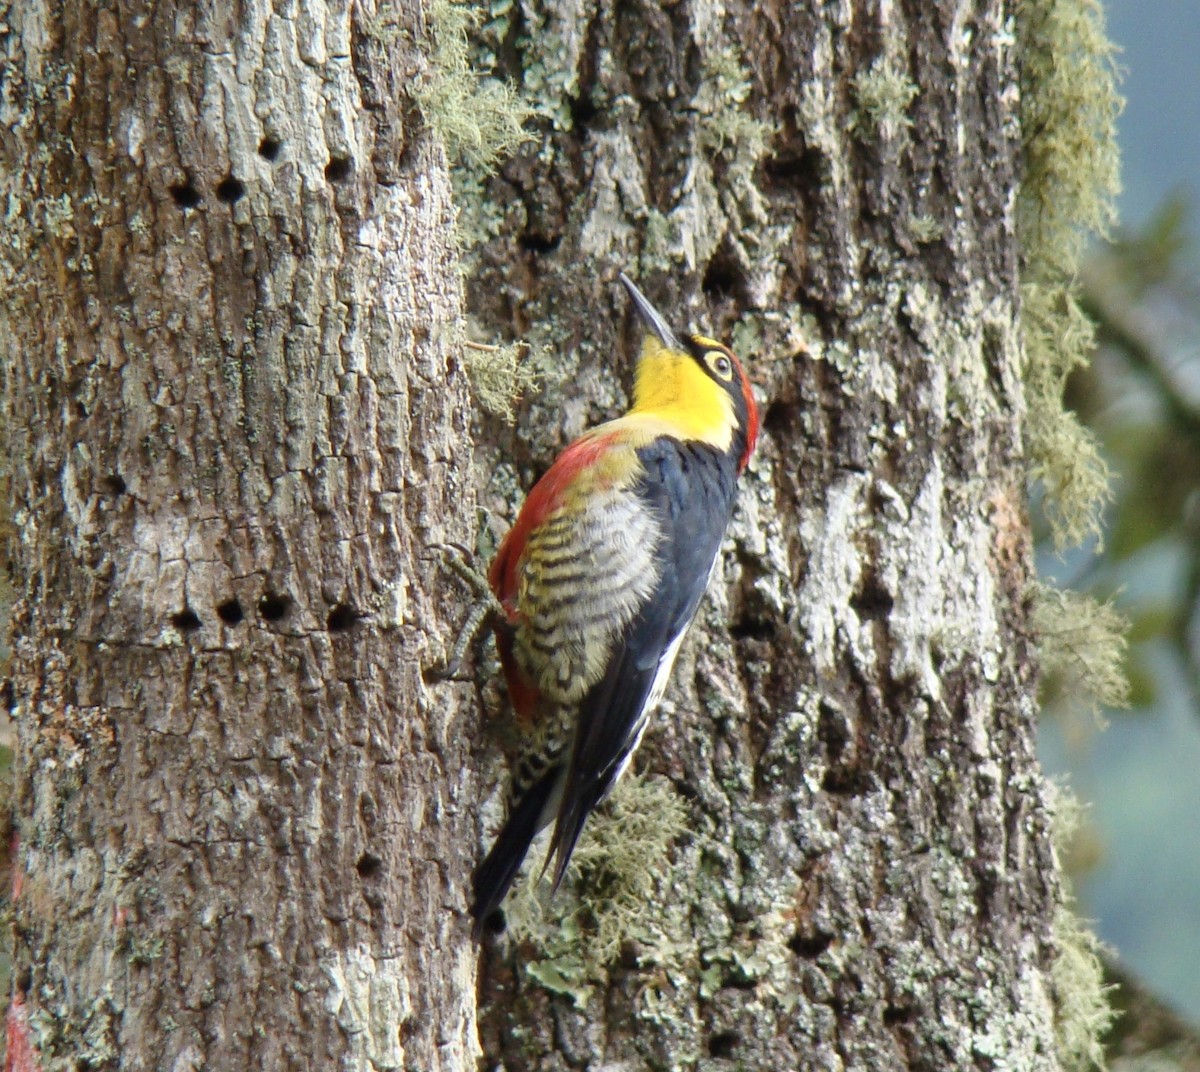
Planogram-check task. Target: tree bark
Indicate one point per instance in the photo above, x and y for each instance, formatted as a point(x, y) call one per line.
point(234, 425)
point(869, 881)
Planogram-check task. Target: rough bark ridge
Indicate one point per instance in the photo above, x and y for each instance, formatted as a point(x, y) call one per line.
point(870, 884)
point(233, 425)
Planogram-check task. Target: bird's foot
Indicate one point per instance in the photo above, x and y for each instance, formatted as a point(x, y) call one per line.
point(484, 609)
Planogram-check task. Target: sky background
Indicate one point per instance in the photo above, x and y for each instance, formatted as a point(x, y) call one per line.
point(1141, 775)
point(1160, 127)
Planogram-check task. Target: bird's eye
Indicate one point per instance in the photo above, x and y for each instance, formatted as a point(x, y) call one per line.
point(720, 364)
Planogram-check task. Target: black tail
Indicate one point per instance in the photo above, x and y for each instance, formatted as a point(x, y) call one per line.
point(495, 875)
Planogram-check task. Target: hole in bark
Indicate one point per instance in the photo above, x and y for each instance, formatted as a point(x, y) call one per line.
point(230, 612)
point(186, 621)
point(368, 866)
point(495, 923)
point(583, 111)
point(25, 980)
point(185, 195)
point(536, 243)
point(797, 171)
point(8, 696)
point(269, 148)
point(338, 169)
point(723, 1043)
point(781, 417)
point(832, 730)
point(721, 276)
point(115, 484)
point(845, 782)
point(751, 628)
point(341, 618)
point(273, 607)
point(872, 601)
point(408, 1028)
point(897, 1014)
point(230, 190)
point(809, 946)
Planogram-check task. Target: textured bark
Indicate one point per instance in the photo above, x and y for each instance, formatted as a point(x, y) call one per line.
point(233, 426)
point(869, 883)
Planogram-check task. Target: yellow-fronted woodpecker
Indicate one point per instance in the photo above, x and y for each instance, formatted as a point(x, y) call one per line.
point(600, 578)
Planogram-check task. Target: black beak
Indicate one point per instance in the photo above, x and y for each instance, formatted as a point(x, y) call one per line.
point(648, 313)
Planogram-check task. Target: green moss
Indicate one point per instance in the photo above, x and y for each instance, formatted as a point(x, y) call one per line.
point(479, 119)
point(1069, 107)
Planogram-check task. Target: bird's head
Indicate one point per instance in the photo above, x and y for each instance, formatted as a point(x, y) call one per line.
point(695, 383)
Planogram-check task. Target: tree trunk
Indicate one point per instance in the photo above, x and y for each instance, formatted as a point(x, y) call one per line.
point(868, 882)
point(234, 426)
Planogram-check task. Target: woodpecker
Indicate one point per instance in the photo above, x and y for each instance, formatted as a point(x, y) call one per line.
point(599, 579)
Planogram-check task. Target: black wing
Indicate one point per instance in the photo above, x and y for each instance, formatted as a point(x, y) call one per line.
point(691, 488)
point(493, 877)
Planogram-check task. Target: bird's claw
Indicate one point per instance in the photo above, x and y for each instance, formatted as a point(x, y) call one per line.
point(457, 559)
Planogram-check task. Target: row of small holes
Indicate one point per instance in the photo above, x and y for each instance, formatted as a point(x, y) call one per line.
point(232, 189)
point(272, 608)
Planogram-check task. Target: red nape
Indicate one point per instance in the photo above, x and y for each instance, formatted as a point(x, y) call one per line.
point(751, 415)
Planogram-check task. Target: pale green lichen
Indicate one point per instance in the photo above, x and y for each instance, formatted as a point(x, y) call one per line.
point(1069, 107)
point(1081, 1007)
point(499, 375)
point(662, 238)
point(726, 123)
point(617, 892)
point(1082, 647)
point(479, 119)
point(730, 133)
point(796, 329)
point(883, 95)
point(67, 1038)
point(924, 229)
